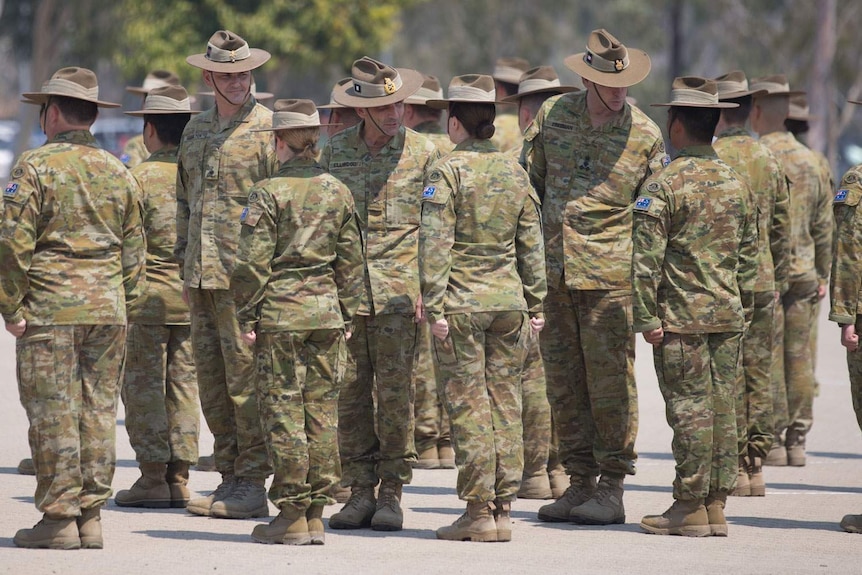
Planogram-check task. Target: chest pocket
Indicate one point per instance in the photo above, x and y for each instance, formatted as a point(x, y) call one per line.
point(401, 202)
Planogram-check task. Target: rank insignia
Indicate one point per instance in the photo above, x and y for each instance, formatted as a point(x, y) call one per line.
point(840, 196)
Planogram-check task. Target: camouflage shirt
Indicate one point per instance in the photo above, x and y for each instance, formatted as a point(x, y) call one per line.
point(434, 132)
point(762, 172)
point(72, 246)
point(134, 152)
point(507, 130)
point(587, 179)
point(217, 166)
point(299, 265)
point(694, 256)
point(387, 191)
point(480, 244)
point(810, 209)
point(846, 279)
point(162, 302)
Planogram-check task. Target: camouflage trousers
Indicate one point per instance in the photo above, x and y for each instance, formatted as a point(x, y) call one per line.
point(697, 375)
point(799, 305)
point(375, 438)
point(432, 423)
point(480, 365)
point(589, 351)
point(68, 382)
point(160, 394)
point(779, 390)
point(854, 366)
point(225, 367)
point(754, 421)
point(535, 412)
point(299, 374)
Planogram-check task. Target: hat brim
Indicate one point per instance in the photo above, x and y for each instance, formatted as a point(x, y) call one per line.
point(142, 113)
point(39, 98)
point(257, 59)
point(292, 128)
point(411, 81)
point(331, 107)
point(638, 69)
point(719, 105)
point(552, 91)
point(735, 95)
point(858, 102)
point(788, 93)
point(443, 104)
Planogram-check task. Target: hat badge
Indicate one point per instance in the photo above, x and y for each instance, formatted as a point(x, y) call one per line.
point(389, 86)
point(618, 64)
point(588, 57)
point(233, 56)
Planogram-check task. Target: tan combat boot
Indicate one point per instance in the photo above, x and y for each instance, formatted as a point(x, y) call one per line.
point(852, 523)
point(605, 507)
point(358, 510)
point(795, 444)
point(90, 528)
point(715, 504)
point(503, 519)
point(559, 480)
point(688, 518)
point(202, 505)
point(743, 481)
point(314, 516)
point(247, 499)
point(340, 493)
point(755, 475)
point(476, 524)
point(388, 515)
point(177, 476)
point(428, 459)
point(580, 489)
point(536, 485)
point(150, 490)
point(447, 455)
point(26, 467)
point(60, 533)
point(289, 527)
point(777, 456)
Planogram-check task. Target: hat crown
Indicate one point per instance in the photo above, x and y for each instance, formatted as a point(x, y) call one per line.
point(775, 84)
point(604, 44)
point(538, 78)
point(81, 76)
point(225, 46)
point(732, 82)
point(168, 98)
point(368, 72)
point(478, 88)
point(297, 105)
point(294, 113)
point(509, 69)
point(430, 90)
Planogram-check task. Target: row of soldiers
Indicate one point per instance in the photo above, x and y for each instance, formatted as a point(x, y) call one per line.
point(632, 243)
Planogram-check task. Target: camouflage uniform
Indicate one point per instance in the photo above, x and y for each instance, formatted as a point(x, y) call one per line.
point(811, 237)
point(587, 179)
point(481, 264)
point(217, 166)
point(507, 130)
point(160, 388)
point(694, 264)
point(376, 442)
point(297, 283)
point(762, 172)
point(435, 132)
point(134, 152)
point(73, 252)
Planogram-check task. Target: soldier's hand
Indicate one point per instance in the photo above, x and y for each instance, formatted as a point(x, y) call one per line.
point(440, 329)
point(536, 324)
point(849, 337)
point(654, 336)
point(348, 335)
point(17, 329)
point(821, 291)
point(420, 311)
point(249, 338)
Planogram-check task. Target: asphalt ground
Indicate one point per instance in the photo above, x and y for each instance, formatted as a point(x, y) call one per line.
point(794, 529)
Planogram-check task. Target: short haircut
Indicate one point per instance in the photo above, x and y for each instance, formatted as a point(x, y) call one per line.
point(169, 127)
point(533, 102)
point(737, 116)
point(699, 123)
point(773, 108)
point(76, 111)
point(301, 141)
point(477, 119)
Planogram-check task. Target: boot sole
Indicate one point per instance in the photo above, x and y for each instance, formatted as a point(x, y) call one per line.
point(692, 531)
point(91, 543)
point(259, 512)
point(578, 520)
point(196, 510)
point(490, 537)
point(345, 525)
point(718, 530)
point(65, 544)
point(147, 503)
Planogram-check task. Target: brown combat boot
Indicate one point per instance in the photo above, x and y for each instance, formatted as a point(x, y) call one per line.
point(150, 490)
point(447, 455)
point(26, 467)
point(503, 519)
point(743, 481)
point(580, 489)
point(795, 445)
point(755, 474)
point(90, 528)
point(715, 504)
point(314, 516)
point(688, 518)
point(247, 499)
point(559, 480)
point(61, 533)
point(388, 515)
point(428, 459)
point(358, 510)
point(202, 505)
point(605, 507)
point(177, 476)
point(290, 527)
point(852, 523)
point(777, 456)
point(476, 524)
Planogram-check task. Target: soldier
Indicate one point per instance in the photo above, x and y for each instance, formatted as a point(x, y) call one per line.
point(810, 245)
point(382, 163)
point(507, 74)
point(424, 119)
point(758, 168)
point(219, 160)
point(544, 476)
point(135, 152)
point(73, 252)
point(588, 153)
point(846, 288)
point(694, 261)
point(160, 388)
point(297, 283)
point(481, 267)
point(339, 117)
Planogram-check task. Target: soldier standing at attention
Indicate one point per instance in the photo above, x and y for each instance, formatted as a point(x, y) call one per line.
point(482, 270)
point(297, 282)
point(160, 388)
point(587, 154)
point(694, 262)
point(382, 163)
point(73, 252)
point(507, 74)
point(220, 158)
point(756, 165)
point(135, 152)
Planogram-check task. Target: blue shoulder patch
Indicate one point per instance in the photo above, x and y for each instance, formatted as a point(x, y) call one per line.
point(643, 203)
point(665, 161)
point(125, 158)
point(10, 190)
point(428, 192)
point(244, 215)
point(840, 196)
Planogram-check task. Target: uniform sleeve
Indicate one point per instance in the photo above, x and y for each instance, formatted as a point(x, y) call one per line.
point(530, 252)
point(779, 238)
point(21, 208)
point(846, 277)
point(134, 259)
point(349, 263)
point(658, 158)
point(651, 222)
point(183, 214)
point(821, 230)
point(436, 238)
point(533, 154)
point(257, 241)
point(746, 275)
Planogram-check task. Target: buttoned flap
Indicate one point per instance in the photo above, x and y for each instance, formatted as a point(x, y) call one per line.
point(14, 193)
point(434, 192)
point(252, 212)
point(650, 205)
point(849, 192)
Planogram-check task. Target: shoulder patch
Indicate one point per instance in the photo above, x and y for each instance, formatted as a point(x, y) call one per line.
point(428, 192)
point(11, 190)
point(253, 197)
point(435, 176)
point(840, 196)
point(643, 203)
point(850, 178)
point(653, 187)
point(665, 161)
point(243, 215)
point(17, 173)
